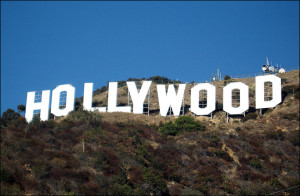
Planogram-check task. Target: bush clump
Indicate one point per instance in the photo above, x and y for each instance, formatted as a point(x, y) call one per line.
point(249, 116)
point(255, 163)
point(92, 118)
point(8, 117)
point(227, 77)
point(162, 80)
point(155, 180)
point(274, 134)
point(294, 137)
point(227, 80)
point(181, 124)
point(290, 116)
point(290, 90)
point(214, 138)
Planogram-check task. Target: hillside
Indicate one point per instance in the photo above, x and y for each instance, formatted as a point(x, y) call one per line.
point(290, 82)
point(126, 154)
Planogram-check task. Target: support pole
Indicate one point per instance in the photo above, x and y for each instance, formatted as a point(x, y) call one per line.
point(149, 101)
point(260, 111)
point(182, 106)
point(128, 98)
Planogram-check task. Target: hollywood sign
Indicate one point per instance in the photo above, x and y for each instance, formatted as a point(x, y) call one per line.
point(166, 99)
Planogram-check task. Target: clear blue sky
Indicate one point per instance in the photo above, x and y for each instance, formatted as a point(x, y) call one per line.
point(44, 44)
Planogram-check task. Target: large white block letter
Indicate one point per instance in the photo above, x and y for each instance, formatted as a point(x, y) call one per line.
point(211, 99)
point(70, 90)
point(138, 98)
point(88, 99)
point(170, 99)
point(244, 98)
point(43, 106)
point(112, 99)
point(260, 91)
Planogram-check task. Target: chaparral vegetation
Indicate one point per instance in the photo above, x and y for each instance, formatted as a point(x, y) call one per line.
point(91, 153)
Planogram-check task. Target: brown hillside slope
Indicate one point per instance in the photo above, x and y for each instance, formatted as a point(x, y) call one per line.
point(290, 81)
point(290, 78)
point(89, 153)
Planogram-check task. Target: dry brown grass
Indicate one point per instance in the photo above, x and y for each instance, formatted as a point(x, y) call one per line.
point(119, 117)
point(289, 78)
point(271, 119)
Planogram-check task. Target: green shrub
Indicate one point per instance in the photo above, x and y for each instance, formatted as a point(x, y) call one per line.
point(227, 77)
point(275, 182)
point(188, 123)
point(122, 189)
point(8, 117)
point(181, 124)
point(169, 128)
point(142, 153)
point(255, 164)
point(70, 193)
point(21, 108)
point(151, 176)
point(92, 118)
point(220, 153)
point(80, 115)
point(214, 138)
